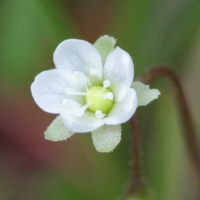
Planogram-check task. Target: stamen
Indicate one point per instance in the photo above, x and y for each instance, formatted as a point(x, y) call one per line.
point(93, 71)
point(70, 103)
point(76, 73)
point(99, 114)
point(108, 95)
point(74, 92)
point(84, 79)
point(106, 84)
point(64, 102)
point(96, 72)
point(79, 111)
point(77, 108)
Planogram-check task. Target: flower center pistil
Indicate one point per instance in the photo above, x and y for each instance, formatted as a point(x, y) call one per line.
point(101, 99)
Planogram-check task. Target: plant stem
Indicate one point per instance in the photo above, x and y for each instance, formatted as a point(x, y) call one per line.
point(191, 140)
point(136, 184)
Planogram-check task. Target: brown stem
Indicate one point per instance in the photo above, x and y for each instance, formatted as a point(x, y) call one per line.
point(191, 140)
point(136, 184)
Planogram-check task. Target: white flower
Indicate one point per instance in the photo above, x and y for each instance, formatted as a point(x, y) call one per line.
point(88, 96)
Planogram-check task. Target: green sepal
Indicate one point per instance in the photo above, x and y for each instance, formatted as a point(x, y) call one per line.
point(105, 44)
point(145, 95)
point(57, 131)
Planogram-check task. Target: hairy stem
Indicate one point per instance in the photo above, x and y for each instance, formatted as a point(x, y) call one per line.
point(136, 184)
point(191, 140)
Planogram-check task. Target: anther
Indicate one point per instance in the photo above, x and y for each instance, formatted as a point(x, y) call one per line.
point(106, 83)
point(96, 72)
point(93, 71)
point(76, 73)
point(99, 114)
point(64, 102)
point(108, 95)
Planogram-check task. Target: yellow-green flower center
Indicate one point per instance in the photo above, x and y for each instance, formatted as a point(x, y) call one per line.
point(94, 95)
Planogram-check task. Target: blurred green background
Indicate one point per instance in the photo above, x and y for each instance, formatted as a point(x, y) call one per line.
point(155, 31)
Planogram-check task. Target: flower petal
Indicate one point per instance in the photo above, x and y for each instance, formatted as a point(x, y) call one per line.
point(106, 138)
point(78, 55)
point(56, 131)
point(118, 70)
point(122, 111)
point(48, 89)
point(80, 124)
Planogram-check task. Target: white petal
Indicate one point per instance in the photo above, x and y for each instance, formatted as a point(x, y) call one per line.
point(119, 70)
point(56, 131)
point(77, 55)
point(48, 89)
point(122, 111)
point(144, 94)
point(81, 124)
point(106, 138)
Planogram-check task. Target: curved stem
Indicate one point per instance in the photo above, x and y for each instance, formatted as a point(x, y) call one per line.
point(191, 140)
point(136, 183)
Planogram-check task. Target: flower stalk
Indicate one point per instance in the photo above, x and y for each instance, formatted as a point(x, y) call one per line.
point(190, 135)
point(137, 185)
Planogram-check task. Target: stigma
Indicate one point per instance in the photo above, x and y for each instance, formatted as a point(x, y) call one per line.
point(101, 99)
